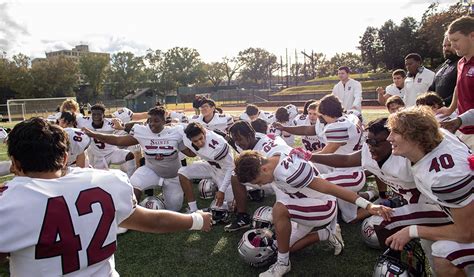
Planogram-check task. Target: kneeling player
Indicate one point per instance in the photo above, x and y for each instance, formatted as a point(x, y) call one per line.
point(218, 164)
point(440, 165)
point(299, 180)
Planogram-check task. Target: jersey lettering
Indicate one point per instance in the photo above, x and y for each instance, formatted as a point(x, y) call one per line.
point(78, 136)
point(213, 144)
point(99, 144)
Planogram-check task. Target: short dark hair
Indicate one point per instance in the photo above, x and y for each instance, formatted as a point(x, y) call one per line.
point(399, 72)
point(69, 117)
point(260, 125)
point(306, 105)
point(98, 107)
point(313, 106)
point(251, 110)
point(194, 129)
point(242, 128)
point(282, 115)
point(394, 99)
point(208, 101)
point(378, 125)
point(430, 99)
point(331, 106)
point(38, 145)
point(414, 56)
point(248, 165)
point(345, 68)
point(158, 111)
point(464, 25)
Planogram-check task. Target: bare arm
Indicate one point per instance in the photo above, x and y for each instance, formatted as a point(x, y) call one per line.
point(188, 152)
point(307, 130)
point(140, 116)
point(461, 231)
point(81, 160)
point(338, 160)
point(330, 148)
point(382, 96)
point(126, 140)
point(454, 104)
point(162, 221)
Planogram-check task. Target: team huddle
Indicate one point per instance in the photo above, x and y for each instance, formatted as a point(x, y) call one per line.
point(422, 203)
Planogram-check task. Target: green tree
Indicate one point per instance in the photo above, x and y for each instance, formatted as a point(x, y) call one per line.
point(231, 67)
point(370, 48)
point(352, 60)
point(55, 77)
point(215, 72)
point(17, 76)
point(126, 72)
point(259, 64)
point(182, 66)
point(93, 70)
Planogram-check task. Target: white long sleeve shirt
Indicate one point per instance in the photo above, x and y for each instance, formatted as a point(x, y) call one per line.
point(350, 94)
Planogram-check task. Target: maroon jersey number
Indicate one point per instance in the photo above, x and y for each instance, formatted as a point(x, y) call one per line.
point(57, 223)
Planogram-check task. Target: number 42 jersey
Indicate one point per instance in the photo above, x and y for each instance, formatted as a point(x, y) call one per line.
point(66, 225)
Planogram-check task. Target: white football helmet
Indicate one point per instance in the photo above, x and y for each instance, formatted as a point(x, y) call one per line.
point(368, 234)
point(153, 202)
point(389, 265)
point(220, 214)
point(207, 189)
point(255, 194)
point(262, 218)
point(256, 247)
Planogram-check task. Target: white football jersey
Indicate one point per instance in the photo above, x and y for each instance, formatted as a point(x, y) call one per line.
point(311, 143)
point(160, 149)
point(99, 148)
point(287, 137)
point(396, 173)
point(268, 117)
point(344, 131)
point(293, 175)
point(69, 225)
point(419, 84)
point(392, 89)
point(292, 111)
point(444, 174)
point(218, 122)
point(178, 117)
point(124, 114)
point(216, 150)
point(78, 143)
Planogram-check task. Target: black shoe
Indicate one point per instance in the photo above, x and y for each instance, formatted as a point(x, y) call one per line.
point(242, 221)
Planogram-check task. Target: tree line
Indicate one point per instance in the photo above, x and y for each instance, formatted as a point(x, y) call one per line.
point(381, 49)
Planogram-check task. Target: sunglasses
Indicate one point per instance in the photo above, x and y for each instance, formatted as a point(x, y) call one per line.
point(374, 142)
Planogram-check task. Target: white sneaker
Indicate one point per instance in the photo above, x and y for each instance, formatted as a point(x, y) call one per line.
point(276, 270)
point(121, 230)
point(336, 241)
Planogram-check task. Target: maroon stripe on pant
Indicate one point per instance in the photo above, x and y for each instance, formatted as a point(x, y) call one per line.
point(460, 253)
point(310, 218)
point(340, 177)
point(350, 184)
point(311, 209)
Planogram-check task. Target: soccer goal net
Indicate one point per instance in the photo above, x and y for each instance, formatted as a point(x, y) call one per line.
point(21, 109)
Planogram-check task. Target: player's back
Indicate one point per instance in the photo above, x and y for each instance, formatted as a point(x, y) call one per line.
point(67, 225)
point(344, 131)
point(78, 143)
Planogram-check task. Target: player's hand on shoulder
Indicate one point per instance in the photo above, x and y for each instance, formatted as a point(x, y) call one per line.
point(277, 125)
point(207, 217)
point(380, 210)
point(117, 124)
point(88, 132)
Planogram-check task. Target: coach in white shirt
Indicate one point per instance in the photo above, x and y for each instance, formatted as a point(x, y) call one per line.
point(418, 81)
point(349, 91)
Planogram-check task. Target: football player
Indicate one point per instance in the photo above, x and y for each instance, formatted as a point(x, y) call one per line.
point(343, 136)
point(160, 145)
point(282, 117)
point(217, 164)
point(210, 118)
point(252, 112)
point(103, 154)
point(299, 179)
point(70, 223)
point(78, 141)
point(440, 164)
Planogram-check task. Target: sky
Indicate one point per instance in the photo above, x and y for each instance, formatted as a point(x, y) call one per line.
point(216, 28)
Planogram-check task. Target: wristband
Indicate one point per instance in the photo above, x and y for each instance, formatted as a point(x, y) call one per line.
point(198, 221)
point(362, 203)
point(413, 231)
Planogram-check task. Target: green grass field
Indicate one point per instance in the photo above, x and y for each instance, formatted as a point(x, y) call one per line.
point(215, 253)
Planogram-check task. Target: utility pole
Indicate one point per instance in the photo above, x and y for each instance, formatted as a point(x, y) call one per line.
point(280, 80)
point(297, 68)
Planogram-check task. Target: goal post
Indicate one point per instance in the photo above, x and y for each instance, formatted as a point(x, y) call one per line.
point(21, 109)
